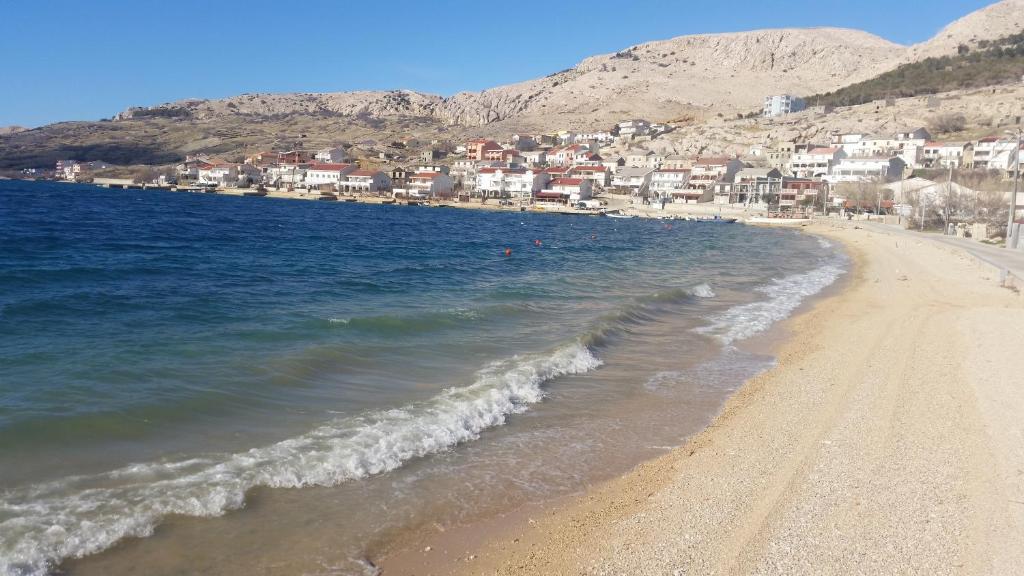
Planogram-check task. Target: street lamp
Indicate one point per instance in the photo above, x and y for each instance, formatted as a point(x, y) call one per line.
point(1016, 182)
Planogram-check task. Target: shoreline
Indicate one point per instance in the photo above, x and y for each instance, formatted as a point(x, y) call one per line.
point(615, 202)
point(431, 549)
point(739, 496)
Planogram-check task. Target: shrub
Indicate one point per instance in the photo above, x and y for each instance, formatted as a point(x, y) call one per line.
point(949, 122)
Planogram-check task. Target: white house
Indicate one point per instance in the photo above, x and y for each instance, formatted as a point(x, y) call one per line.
point(1002, 155)
point(521, 183)
point(566, 191)
point(631, 128)
point(218, 174)
point(365, 181)
point(534, 157)
point(335, 155)
point(945, 154)
point(327, 174)
point(430, 185)
point(814, 163)
point(706, 171)
point(880, 168)
point(568, 155)
point(781, 104)
point(597, 175)
point(639, 159)
point(613, 164)
point(635, 180)
point(290, 174)
point(601, 137)
point(670, 184)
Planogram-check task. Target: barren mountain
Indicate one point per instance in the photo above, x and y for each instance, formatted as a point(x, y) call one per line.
point(689, 79)
point(658, 79)
point(670, 78)
point(992, 22)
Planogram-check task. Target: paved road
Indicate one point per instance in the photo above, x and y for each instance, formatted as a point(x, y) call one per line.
point(1003, 259)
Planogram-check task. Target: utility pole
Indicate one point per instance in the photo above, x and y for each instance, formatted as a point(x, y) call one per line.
point(920, 201)
point(949, 186)
point(1013, 196)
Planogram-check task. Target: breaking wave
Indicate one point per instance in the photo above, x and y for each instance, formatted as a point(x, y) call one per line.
point(43, 524)
point(784, 296)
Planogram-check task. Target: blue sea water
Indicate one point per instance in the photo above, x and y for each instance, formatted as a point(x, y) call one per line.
point(163, 355)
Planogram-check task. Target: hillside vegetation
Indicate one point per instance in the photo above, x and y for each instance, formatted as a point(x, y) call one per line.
point(991, 62)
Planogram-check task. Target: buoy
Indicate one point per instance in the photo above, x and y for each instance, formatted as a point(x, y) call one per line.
point(593, 236)
point(537, 242)
point(508, 251)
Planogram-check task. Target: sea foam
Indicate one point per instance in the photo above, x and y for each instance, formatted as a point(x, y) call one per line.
point(43, 524)
point(784, 296)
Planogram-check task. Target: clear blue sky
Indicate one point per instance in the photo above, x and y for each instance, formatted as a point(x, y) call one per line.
point(85, 60)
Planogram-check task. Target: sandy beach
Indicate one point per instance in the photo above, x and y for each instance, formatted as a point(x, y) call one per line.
point(886, 440)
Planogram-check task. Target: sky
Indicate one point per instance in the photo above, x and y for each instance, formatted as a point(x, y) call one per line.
point(86, 60)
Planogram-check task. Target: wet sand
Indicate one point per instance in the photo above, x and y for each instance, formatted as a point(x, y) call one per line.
point(887, 439)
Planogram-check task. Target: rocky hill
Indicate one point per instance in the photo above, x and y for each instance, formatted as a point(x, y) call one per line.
point(657, 79)
point(686, 79)
point(990, 23)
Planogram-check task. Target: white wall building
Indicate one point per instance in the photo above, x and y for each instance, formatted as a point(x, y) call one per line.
point(782, 104)
point(597, 175)
point(430, 185)
point(566, 190)
point(366, 182)
point(670, 183)
point(520, 183)
point(815, 163)
point(636, 180)
point(330, 174)
point(631, 128)
point(334, 155)
point(878, 168)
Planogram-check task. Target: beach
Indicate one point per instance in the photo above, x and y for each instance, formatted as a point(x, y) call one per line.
point(887, 439)
point(352, 372)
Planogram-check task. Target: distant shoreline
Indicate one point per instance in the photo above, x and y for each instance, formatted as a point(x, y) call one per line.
point(615, 202)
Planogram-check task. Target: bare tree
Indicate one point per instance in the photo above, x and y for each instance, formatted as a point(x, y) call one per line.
point(948, 122)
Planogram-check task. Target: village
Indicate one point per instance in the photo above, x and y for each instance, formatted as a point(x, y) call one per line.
point(615, 169)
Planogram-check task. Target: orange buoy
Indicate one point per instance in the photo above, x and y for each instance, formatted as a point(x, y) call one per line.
point(508, 251)
point(537, 242)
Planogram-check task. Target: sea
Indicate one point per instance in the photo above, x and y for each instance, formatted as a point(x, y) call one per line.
point(199, 383)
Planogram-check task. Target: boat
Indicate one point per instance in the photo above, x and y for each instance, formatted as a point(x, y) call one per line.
point(715, 220)
point(350, 200)
point(617, 214)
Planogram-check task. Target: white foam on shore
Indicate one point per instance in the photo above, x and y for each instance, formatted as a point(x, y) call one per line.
point(702, 291)
point(784, 296)
point(43, 524)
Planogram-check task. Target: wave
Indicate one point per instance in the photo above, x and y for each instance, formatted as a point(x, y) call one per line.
point(42, 525)
point(641, 310)
point(784, 296)
point(703, 291)
point(418, 323)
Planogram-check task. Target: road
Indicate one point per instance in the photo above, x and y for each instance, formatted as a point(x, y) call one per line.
point(1011, 261)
